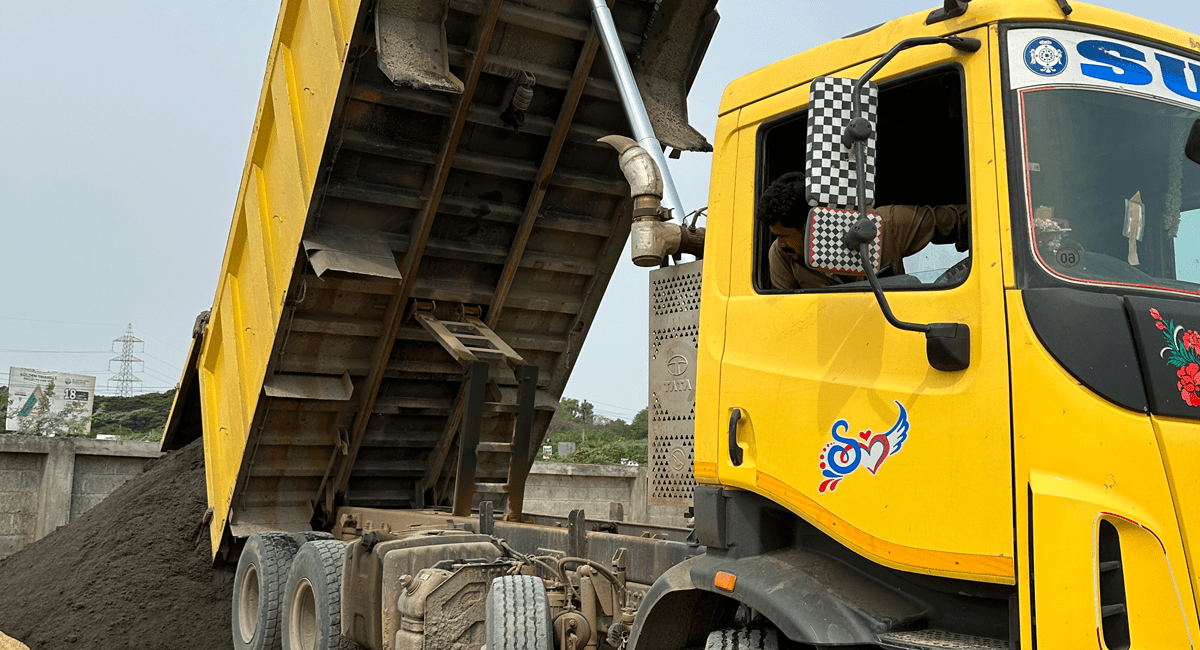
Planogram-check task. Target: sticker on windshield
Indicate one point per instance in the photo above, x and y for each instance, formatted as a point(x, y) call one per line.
point(869, 450)
point(1046, 57)
point(1085, 59)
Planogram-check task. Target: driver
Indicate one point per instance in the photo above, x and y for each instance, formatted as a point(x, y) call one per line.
point(907, 229)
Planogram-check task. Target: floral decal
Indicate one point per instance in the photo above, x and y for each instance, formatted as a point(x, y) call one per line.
point(869, 450)
point(1182, 352)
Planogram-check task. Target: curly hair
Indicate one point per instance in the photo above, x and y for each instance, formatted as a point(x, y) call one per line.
point(783, 202)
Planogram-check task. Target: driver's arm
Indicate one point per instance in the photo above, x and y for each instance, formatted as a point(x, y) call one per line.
point(910, 228)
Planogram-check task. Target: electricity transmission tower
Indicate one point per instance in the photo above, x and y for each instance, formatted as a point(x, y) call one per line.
point(125, 379)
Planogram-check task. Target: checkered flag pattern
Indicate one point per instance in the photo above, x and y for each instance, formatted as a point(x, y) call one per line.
point(827, 253)
point(829, 169)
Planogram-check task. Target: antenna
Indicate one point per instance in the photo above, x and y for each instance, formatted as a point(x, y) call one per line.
point(125, 379)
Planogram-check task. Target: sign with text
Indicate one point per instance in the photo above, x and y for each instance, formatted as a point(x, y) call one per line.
point(49, 402)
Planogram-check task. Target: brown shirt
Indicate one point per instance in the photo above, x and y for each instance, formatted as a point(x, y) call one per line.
point(906, 230)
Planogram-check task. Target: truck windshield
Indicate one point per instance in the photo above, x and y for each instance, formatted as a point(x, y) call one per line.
point(1110, 196)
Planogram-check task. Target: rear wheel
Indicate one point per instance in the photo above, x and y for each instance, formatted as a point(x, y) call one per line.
point(312, 602)
point(258, 588)
point(518, 615)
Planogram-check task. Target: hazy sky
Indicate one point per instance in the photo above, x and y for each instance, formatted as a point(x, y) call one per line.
point(124, 129)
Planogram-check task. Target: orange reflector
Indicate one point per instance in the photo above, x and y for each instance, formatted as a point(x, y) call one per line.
point(724, 581)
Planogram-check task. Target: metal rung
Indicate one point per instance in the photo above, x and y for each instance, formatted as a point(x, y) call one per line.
point(498, 407)
point(494, 448)
point(459, 339)
point(491, 488)
point(939, 640)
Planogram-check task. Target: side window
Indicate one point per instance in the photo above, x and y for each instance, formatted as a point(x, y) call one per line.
point(921, 192)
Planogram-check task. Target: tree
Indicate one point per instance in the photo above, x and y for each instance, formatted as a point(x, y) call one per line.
point(641, 424)
point(598, 440)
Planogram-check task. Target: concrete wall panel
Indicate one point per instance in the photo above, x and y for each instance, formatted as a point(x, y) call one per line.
point(48, 482)
point(99, 476)
point(558, 488)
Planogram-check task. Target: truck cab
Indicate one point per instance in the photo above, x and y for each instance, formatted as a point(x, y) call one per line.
point(1053, 480)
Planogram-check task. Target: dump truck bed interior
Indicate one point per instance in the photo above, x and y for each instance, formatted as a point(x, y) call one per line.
point(423, 190)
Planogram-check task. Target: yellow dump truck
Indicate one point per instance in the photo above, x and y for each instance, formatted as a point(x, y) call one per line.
point(426, 224)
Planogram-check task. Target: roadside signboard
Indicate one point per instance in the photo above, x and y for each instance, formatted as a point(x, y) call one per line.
point(42, 394)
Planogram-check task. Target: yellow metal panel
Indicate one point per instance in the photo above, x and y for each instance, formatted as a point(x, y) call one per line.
point(714, 295)
point(795, 364)
point(1180, 444)
point(830, 57)
point(1000, 164)
point(1082, 458)
point(304, 72)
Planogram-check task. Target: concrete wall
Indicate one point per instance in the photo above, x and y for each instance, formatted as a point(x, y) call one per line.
point(558, 488)
point(49, 482)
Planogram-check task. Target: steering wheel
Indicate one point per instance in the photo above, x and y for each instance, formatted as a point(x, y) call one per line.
point(956, 273)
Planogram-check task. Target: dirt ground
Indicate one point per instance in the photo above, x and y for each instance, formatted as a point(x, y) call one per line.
point(133, 572)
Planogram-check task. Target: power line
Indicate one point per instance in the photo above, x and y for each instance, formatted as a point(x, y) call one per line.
point(168, 363)
point(160, 341)
point(14, 350)
point(60, 322)
point(69, 322)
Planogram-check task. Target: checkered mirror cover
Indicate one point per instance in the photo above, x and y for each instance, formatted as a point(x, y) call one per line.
point(826, 252)
point(829, 171)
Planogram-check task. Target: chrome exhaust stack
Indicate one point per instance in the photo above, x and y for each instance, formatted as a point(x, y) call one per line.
point(631, 100)
point(652, 238)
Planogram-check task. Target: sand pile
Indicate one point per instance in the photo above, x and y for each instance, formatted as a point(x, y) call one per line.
point(132, 572)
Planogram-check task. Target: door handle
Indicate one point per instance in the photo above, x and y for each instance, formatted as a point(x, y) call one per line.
point(735, 452)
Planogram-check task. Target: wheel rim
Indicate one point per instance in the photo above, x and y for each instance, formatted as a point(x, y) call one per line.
point(248, 599)
point(303, 619)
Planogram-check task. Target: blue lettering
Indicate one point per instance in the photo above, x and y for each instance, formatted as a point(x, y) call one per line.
point(1118, 69)
point(1175, 76)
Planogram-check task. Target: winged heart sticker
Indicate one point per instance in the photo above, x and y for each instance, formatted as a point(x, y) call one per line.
point(868, 450)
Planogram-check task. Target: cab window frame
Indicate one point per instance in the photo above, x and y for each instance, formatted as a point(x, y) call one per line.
point(1028, 273)
point(762, 238)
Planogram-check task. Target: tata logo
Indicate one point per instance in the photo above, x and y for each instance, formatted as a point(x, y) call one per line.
point(1123, 64)
point(677, 365)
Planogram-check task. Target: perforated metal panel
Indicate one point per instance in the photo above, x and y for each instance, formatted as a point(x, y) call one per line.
point(938, 640)
point(674, 331)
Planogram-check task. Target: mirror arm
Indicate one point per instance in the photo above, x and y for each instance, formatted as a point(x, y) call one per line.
point(957, 42)
point(864, 255)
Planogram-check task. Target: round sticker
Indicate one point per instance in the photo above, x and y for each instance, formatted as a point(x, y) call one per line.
point(1067, 256)
point(1046, 57)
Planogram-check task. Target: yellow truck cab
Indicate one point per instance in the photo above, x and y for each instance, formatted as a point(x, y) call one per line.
point(428, 218)
point(1051, 485)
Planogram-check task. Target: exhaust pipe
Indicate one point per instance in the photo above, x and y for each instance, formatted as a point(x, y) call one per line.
point(651, 239)
point(631, 100)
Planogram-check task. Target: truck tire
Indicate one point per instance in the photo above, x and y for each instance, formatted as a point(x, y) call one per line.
point(743, 639)
point(312, 599)
point(518, 615)
point(307, 536)
point(258, 586)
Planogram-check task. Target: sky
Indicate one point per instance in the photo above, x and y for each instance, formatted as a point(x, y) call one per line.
point(123, 134)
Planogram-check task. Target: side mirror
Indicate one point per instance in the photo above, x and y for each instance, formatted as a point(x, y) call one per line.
point(825, 236)
point(831, 172)
point(1192, 148)
point(841, 172)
